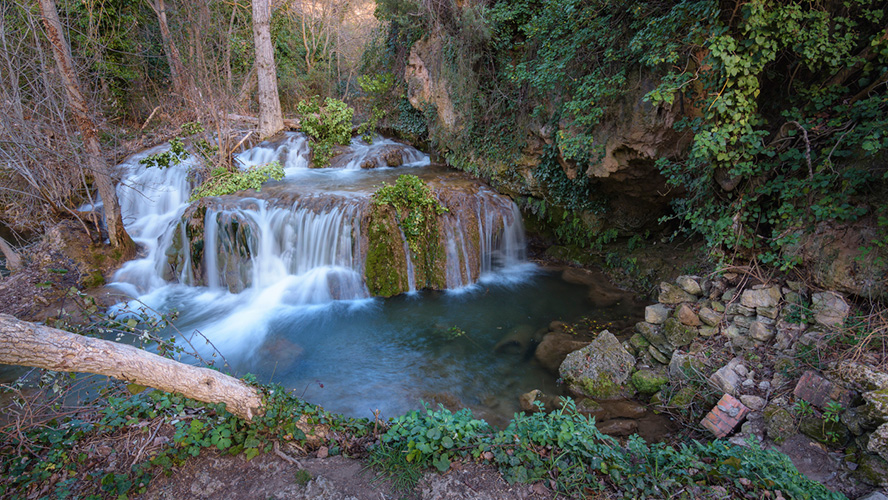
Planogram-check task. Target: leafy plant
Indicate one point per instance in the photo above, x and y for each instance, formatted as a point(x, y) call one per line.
point(328, 125)
point(223, 181)
point(416, 207)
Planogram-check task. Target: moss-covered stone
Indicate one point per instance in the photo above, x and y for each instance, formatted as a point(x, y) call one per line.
point(648, 381)
point(678, 334)
point(872, 470)
point(385, 266)
point(683, 398)
point(598, 370)
point(779, 423)
point(825, 431)
point(638, 342)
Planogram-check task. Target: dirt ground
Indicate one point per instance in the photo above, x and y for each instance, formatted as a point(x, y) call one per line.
point(270, 476)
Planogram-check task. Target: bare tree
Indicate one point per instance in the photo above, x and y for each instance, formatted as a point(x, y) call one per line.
point(95, 162)
point(271, 120)
point(177, 70)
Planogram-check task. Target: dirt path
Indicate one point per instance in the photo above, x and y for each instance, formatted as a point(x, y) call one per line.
point(224, 477)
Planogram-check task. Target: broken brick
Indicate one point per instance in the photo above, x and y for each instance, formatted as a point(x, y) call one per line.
point(725, 416)
point(819, 391)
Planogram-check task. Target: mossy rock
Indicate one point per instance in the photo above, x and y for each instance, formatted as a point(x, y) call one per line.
point(683, 398)
point(678, 334)
point(827, 432)
point(600, 369)
point(385, 267)
point(872, 470)
point(779, 423)
point(648, 381)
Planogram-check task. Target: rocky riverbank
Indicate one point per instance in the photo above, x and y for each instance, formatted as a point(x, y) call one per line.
point(798, 370)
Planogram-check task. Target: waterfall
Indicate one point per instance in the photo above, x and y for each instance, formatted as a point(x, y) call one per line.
point(303, 236)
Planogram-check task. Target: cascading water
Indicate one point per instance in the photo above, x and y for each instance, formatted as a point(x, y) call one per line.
point(275, 280)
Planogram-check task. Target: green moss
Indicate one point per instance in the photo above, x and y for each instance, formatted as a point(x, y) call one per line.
point(683, 398)
point(385, 269)
point(601, 387)
point(648, 382)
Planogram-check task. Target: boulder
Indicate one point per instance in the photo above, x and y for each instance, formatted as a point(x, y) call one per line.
point(671, 294)
point(598, 370)
point(555, 347)
point(830, 309)
point(761, 297)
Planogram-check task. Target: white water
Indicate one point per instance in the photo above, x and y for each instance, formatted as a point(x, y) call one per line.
point(265, 259)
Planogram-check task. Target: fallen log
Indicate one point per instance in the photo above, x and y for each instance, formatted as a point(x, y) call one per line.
point(27, 344)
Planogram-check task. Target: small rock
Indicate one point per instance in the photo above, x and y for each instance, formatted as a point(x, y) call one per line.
point(656, 314)
point(743, 322)
point(653, 334)
point(830, 309)
point(726, 378)
point(761, 332)
point(718, 307)
point(878, 442)
point(687, 316)
point(707, 331)
point(754, 403)
point(748, 383)
point(682, 366)
point(872, 469)
point(677, 333)
point(761, 297)
point(323, 452)
point(638, 342)
point(779, 423)
point(741, 370)
point(658, 356)
point(690, 284)
point(768, 312)
point(709, 316)
point(739, 310)
point(618, 427)
point(671, 294)
point(764, 385)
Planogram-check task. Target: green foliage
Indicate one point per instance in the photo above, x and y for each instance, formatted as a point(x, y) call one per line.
point(223, 181)
point(416, 206)
point(567, 450)
point(328, 125)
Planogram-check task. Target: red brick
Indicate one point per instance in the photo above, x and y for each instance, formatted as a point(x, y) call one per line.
point(725, 416)
point(819, 391)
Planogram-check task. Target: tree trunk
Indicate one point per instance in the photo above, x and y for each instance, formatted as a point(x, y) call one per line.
point(270, 119)
point(13, 259)
point(27, 344)
point(94, 159)
point(177, 71)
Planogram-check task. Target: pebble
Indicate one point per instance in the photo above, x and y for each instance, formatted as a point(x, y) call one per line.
point(765, 385)
point(741, 370)
point(748, 383)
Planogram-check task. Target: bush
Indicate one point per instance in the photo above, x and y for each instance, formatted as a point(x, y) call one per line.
point(327, 126)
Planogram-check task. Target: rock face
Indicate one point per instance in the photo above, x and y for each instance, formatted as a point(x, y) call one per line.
point(426, 87)
point(598, 370)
